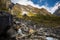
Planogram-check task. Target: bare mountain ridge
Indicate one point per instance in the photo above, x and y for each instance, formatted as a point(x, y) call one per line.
point(29, 10)
point(22, 9)
point(57, 12)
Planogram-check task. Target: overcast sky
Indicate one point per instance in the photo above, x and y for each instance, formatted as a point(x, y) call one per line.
point(49, 5)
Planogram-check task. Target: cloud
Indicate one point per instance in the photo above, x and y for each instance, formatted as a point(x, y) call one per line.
point(26, 2)
point(29, 2)
point(41, 0)
point(55, 7)
point(22, 2)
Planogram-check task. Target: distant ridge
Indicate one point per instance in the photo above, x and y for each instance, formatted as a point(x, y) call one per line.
point(57, 12)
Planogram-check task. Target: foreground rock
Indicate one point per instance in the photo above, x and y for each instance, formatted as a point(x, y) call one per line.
point(28, 29)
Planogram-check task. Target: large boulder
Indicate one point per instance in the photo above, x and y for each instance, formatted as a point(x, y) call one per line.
point(5, 21)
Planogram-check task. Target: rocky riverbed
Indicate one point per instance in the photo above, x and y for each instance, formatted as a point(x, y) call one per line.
point(27, 30)
point(37, 32)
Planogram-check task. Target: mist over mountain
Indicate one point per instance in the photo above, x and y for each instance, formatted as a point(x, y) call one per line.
point(57, 12)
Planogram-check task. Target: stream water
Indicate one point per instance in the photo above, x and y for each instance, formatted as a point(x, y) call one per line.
point(51, 38)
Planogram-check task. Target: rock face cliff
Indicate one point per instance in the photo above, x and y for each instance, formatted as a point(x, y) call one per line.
point(4, 5)
point(57, 12)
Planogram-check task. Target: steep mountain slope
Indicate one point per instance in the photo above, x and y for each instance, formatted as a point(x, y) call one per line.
point(39, 16)
point(28, 10)
point(57, 12)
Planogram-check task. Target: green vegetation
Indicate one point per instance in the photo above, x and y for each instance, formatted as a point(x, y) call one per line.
point(47, 20)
